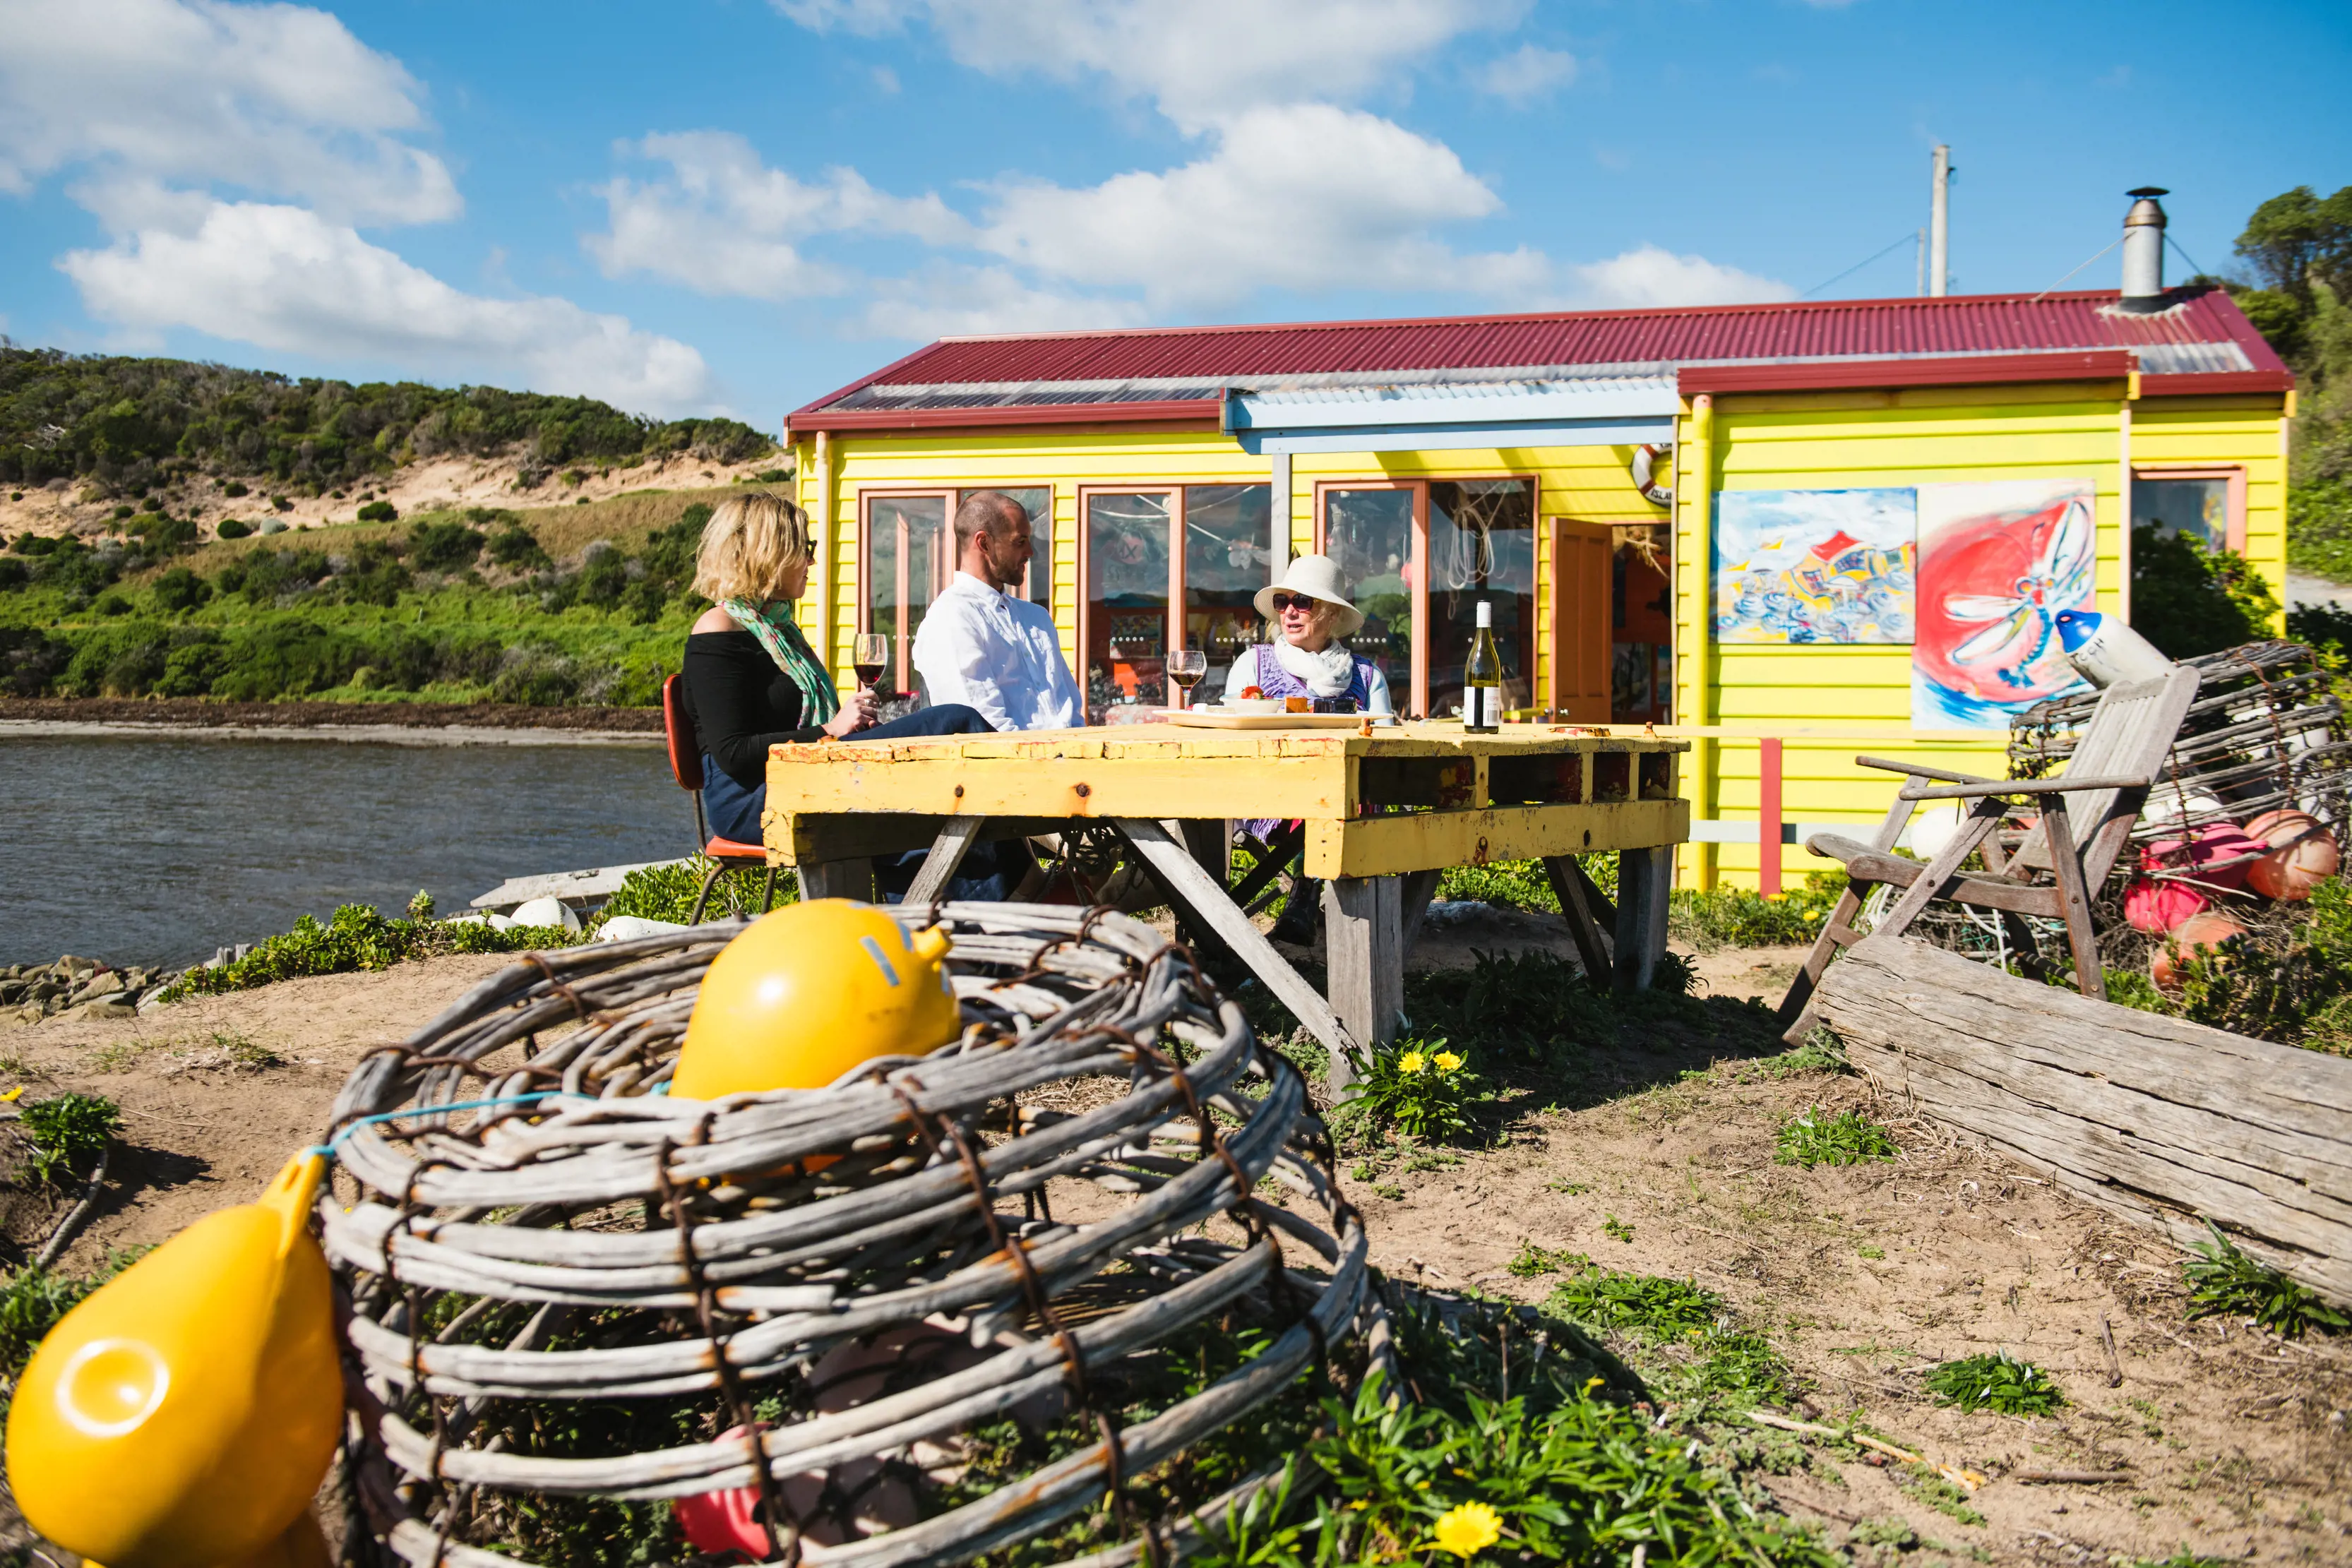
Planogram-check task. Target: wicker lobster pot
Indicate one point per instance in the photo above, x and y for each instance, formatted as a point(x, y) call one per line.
point(585, 1243)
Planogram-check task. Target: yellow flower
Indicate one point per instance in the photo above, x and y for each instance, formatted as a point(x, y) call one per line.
point(1411, 1063)
point(1446, 1060)
point(13, 1094)
point(1468, 1529)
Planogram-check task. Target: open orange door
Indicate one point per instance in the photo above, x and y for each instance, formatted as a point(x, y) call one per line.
point(1580, 557)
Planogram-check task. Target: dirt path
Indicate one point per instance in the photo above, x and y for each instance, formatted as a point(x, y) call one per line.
point(2225, 1441)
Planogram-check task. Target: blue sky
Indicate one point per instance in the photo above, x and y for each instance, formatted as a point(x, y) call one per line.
point(738, 204)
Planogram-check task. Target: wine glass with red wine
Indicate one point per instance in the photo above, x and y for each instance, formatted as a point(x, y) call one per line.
point(1185, 667)
point(870, 657)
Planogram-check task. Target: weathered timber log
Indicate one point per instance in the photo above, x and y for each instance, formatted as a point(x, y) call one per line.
point(2160, 1120)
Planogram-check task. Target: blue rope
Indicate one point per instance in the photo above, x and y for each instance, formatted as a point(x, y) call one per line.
point(332, 1148)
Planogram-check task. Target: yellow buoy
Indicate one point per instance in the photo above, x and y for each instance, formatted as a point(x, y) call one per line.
point(807, 993)
point(184, 1414)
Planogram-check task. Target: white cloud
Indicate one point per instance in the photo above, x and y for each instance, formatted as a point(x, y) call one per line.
point(1528, 73)
point(1303, 197)
point(1201, 60)
point(278, 98)
point(722, 222)
point(1649, 278)
point(285, 278)
point(945, 300)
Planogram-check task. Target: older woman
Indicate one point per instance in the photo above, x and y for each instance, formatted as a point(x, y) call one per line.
point(1307, 614)
point(752, 682)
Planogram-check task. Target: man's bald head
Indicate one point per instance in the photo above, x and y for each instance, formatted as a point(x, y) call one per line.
point(991, 539)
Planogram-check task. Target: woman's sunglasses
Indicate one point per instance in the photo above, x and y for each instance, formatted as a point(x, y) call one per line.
point(1282, 601)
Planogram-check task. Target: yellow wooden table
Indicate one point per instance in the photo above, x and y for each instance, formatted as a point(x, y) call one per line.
point(1383, 811)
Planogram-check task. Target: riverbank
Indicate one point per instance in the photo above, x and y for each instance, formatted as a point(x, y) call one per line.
point(198, 713)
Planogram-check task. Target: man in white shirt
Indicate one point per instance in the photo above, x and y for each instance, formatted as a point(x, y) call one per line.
point(981, 646)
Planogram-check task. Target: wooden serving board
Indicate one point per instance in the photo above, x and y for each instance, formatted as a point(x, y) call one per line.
point(1215, 718)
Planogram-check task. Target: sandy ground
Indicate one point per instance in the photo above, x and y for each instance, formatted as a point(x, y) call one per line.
point(62, 508)
point(2223, 1439)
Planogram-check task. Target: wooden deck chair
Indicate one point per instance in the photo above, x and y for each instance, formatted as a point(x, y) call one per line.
point(2086, 817)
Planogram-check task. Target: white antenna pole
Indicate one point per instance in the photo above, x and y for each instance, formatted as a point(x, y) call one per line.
point(1940, 223)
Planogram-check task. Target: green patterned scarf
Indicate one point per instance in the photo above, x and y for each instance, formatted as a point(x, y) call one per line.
point(782, 640)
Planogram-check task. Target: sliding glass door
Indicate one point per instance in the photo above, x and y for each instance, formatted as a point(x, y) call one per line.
point(1173, 566)
point(1417, 556)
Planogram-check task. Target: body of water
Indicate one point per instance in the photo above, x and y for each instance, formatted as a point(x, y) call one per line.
point(141, 848)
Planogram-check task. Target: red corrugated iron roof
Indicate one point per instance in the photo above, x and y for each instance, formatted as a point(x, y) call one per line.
point(1865, 329)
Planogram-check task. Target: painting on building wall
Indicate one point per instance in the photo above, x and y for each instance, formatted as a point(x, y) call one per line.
point(1814, 566)
point(1998, 561)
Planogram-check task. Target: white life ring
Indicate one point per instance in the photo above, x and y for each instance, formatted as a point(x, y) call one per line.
point(1645, 459)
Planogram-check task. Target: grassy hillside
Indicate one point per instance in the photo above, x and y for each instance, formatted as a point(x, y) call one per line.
point(580, 604)
point(132, 424)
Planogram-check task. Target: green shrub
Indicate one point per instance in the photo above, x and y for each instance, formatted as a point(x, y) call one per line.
point(13, 574)
point(234, 527)
point(67, 1132)
point(359, 937)
point(287, 657)
point(443, 546)
point(378, 512)
point(2319, 530)
point(2190, 600)
point(234, 489)
point(1529, 1007)
point(2223, 1279)
point(1999, 1382)
point(1848, 1138)
point(179, 590)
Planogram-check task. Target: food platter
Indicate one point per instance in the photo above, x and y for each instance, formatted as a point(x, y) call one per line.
point(1224, 718)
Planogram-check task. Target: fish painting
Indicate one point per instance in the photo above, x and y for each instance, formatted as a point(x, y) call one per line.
point(1999, 561)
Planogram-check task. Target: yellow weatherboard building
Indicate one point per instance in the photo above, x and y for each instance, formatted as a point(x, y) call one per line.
point(1792, 532)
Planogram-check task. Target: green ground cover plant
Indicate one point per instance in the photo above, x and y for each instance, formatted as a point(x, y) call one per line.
point(1998, 1382)
point(668, 892)
point(1742, 917)
point(68, 1133)
point(1684, 1340)
point(359, 937)
point(1848, 1138)
point(2222, 1281)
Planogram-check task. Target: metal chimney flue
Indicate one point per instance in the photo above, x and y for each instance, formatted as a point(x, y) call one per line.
point(2144, 252)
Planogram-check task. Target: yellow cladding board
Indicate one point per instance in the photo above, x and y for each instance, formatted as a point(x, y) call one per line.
point(1423, 840)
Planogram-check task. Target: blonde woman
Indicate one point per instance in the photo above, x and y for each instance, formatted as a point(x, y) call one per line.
point(753, 680)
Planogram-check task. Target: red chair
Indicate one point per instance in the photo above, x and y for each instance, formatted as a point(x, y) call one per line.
point(686, 767)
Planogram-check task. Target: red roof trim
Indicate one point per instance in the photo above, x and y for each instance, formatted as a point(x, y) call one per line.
point(1957, 371)
point(1186, 412)
point(2203, 383)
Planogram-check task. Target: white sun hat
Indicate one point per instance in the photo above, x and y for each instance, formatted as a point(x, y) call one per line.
point(1317, 577)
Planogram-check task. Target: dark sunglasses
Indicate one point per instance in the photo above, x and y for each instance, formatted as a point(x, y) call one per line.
point(1282, 601)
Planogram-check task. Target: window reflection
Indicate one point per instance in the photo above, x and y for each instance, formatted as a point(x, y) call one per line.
point(2198, 508)
point(1482, 545)
point(1369, 533)
point(1128, 539)
point(1227, 558)
point(908, 562)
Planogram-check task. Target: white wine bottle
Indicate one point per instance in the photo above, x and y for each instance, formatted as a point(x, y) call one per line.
point(1482, 677)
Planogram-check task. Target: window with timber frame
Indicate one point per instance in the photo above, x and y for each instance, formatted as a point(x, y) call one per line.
point(907, 556)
